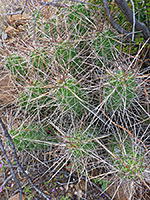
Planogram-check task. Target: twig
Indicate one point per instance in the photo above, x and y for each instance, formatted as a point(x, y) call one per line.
point(6, 180)
point(11, 167)
point(133, 28)
point(139, 26)
point(7, 135)
point(114, 23)
point(102, 191)
point(123, 129)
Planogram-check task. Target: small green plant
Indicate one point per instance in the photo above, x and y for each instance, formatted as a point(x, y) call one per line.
point(99, 42)
point(81, 145)
point(120, 90)
point(68, 52)
point(102, 182)
point(69, 95)
point(103, 44)
point(130, 167)
point(18, 66)
point(22, 67)
point(65, 198)
point(129, 161)
point(29, 74)
point(31, 137)
point(29, 194)
point(27, 189)
point(39, 61)
point(67, 55)
point(79, 19)
point(34, 96)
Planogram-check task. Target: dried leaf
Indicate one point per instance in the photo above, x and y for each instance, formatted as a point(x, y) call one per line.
point(18, 19)
point(11, 31)
point(16, 197)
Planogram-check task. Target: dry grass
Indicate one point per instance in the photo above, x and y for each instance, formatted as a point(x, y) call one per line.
point(87, 101)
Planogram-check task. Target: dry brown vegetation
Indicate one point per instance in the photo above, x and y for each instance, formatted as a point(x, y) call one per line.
point(75, 103)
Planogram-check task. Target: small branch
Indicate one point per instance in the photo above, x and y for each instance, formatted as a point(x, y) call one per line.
point(11, 167)
point(6, 180)
point(133, 29)
point(116, 26)
point(7, 135)
point(102, 191)
point(139, 26)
